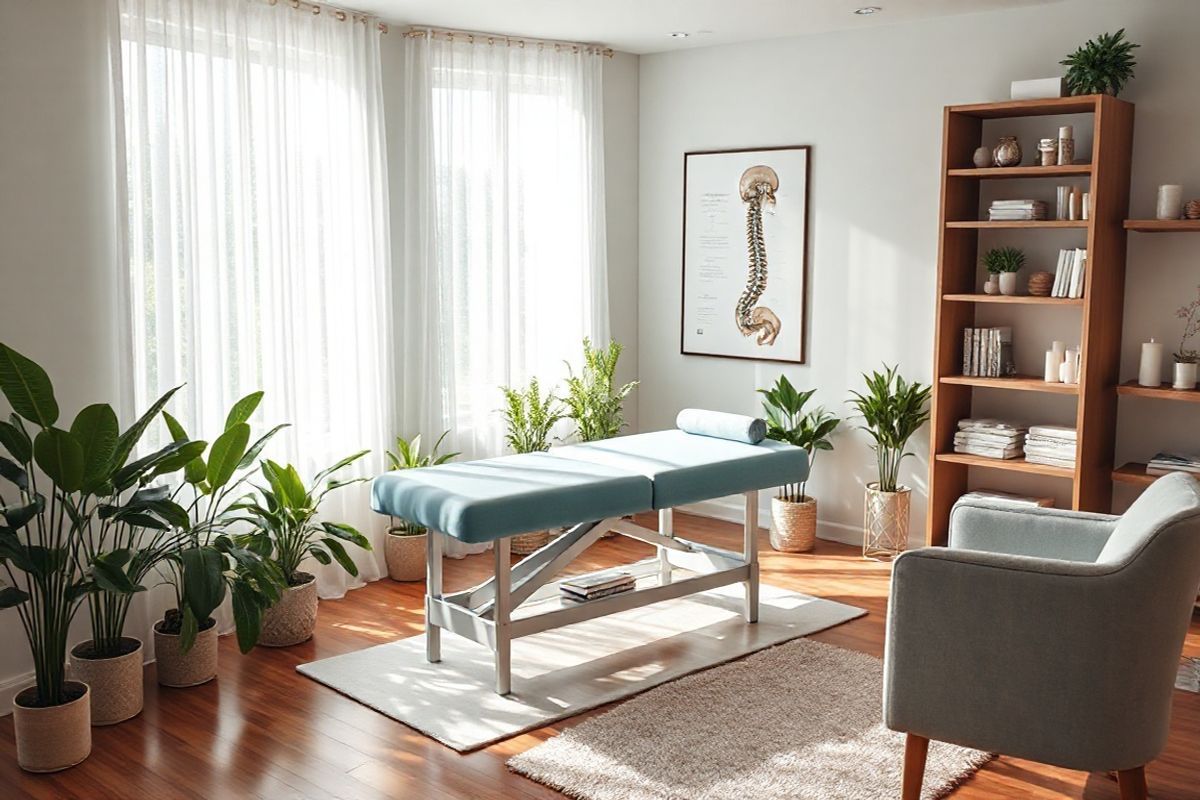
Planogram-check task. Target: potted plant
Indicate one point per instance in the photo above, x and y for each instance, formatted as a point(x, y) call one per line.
point(592, 400)
point(529, 417)
point(68, 482)
point(1102, 66)
point(893, 410)
point(1185, 358)
point(1004, 263)
point(793, 512)
point(285, 532)
point(205, 564)
point(405, 544)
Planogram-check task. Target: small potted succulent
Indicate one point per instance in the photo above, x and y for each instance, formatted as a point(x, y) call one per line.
point(1102, 66)
point(529, 416)
point(793, 512)
point(404, 547)
point(1186, 359)
point(893, 410)
point(1004, 263)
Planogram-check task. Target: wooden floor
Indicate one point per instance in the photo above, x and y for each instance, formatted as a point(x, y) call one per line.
point(262, 730)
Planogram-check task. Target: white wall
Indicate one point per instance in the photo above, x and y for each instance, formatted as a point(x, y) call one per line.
point(870, 103)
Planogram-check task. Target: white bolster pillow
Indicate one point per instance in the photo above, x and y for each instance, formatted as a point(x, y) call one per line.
point(720, 425)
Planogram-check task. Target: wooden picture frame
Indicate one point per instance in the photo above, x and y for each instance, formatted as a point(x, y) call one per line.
point(738, 300)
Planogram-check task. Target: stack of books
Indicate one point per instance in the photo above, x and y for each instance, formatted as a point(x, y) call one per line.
point(1053, 445)
point(1164, 463)
point(989, 438)
point(1016, 210)
point(987, 352)
point(596, 585)
point(1069, 272)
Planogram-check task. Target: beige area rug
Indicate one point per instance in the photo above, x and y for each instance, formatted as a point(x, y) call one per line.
point(563, 672)
point(801, 720)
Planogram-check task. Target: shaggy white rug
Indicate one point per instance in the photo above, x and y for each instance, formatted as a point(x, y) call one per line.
point(801, 720)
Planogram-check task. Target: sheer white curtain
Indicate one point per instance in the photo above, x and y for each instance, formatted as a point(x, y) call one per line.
point(258, 231)
point(504, 266)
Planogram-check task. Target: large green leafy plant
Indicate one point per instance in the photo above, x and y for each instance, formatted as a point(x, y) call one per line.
point(73, 519)
point(529, 415)
point(1102, 66)
point(788, 422)
point(893, 410)
point(283, 515)
point(206, 564)
point(408, 455)
point(592, 400)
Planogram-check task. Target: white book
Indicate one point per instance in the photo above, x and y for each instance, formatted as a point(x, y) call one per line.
point(1078, 274)
point(1005, 203)
point(1060, 273)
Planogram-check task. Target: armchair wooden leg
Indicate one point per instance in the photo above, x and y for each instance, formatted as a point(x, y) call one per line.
point(1133, 783)
point(915, 750)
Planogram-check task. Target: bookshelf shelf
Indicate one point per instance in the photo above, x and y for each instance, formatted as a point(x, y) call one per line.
point(1007, 464)
point(1133, 473)
point(1020, 383)
point(1101, 307)
point(1161, 392)
point(1163, 225)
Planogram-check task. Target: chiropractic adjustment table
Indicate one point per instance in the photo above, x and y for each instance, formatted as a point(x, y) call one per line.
point(589, 487)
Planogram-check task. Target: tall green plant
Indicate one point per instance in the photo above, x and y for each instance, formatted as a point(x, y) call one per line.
point(1102, 66)
point(283, 519)
point(529, 416)
point(788, 422)
point(592, 400)
point(893, 410)
point(408, 455)
point(57, 524)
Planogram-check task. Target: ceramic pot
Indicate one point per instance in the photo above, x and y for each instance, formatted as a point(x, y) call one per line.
point(293, 618)
point(405, 554)
point(116, 682)
point(885, 523)
point(982, 157)
point(1008, 283)
point(179, 669)
point(1007, 152)
point(1185, 376)
point(991, 286)
point(793, 525)
point(53, 738)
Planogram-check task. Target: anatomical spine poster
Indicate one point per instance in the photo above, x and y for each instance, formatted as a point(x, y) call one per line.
point(745, 247)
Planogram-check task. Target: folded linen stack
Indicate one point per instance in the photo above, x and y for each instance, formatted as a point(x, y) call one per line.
point(989, 438)
point(1163, 463)
point(1052, 445)
point(1016, 210)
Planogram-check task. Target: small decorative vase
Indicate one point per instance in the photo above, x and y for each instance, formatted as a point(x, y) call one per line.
point(52, 738)
point(1040, 283)
point(293, 619)
point(1185, 375)
point(885, 526)
point(115, 682)
point(982, 157)
point(992, 286)
point(405, 554)
point(794, 528)
point(179, 669)
point(1008, 283)
point(1007, 152)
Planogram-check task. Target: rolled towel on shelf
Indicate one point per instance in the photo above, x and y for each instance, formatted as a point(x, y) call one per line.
point(721, 425)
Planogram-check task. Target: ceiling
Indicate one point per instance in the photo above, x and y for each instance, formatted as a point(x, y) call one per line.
point(644, 26)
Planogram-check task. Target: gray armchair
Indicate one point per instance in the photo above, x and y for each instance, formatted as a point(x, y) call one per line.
point(1045, 634)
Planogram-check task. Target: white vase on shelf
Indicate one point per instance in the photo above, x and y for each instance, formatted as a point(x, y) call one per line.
point(1185, 375)
point(992, 286)
point(1008, 283)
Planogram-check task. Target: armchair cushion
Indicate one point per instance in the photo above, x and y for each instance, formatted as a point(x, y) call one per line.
point(999, 527)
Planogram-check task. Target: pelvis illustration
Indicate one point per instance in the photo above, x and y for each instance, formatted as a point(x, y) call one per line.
point(758, 186)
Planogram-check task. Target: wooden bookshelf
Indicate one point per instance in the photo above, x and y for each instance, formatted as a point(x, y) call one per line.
point(1013, 299)
point(1163, 225)
point(1160, 392)
point(1133, 473)
point(1100, 309)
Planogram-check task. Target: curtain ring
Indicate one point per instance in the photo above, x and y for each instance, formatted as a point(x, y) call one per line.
point(341, 15)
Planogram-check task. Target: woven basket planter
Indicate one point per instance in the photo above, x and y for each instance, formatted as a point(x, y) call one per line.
point(794, 525)
point(525, 543)
point(116, 682)
point(179, 669)
point(53, 738)
point(885, 523)
point(294, 618)
point(405, 554)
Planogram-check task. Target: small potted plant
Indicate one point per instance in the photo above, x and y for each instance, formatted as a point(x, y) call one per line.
point(793, 512)
point(1186, 359)
point(529, 416)
point(593, 402)
point(1004, 263)
point(1102, 66)
point(405, 544)
point(285, 532)
point(893, 410)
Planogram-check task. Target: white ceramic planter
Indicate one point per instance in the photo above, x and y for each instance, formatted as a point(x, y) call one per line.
point(116, 682)
point(1008, 283)
point(52, 738)
point(991, 286)
point(1185, 376)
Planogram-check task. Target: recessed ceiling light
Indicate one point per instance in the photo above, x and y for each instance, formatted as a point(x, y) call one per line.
point(678, 35)
point(866, 11)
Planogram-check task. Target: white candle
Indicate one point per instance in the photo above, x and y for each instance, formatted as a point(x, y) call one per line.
point(1170, 201)
point(1069, 371)
point(1087, 202)
point(1066, 132)
point(1059, 349)
point(1150, 367)
point(1053, 362)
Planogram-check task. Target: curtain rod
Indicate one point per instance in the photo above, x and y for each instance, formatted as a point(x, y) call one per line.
point(474, 37)
point(340, 14)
